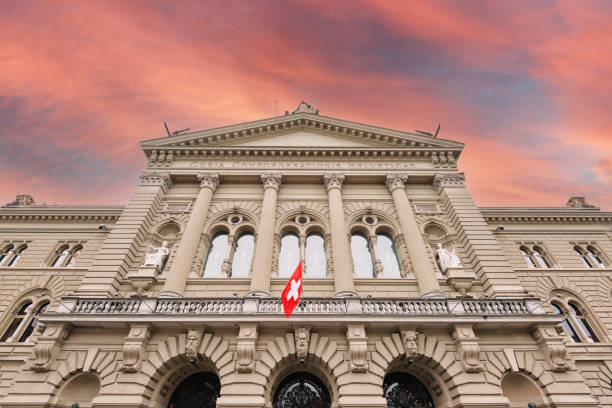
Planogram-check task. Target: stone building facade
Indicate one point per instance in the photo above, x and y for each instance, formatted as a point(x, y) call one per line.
point(413, 296)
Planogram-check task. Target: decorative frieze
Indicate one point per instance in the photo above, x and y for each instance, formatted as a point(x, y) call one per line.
point(134, 348)
point(245, 347)
point(551, 343)
point(333, 180)
point(468, 348)
point(48, 345)
point(358, 347)
point(156, 178)
point(442, 181)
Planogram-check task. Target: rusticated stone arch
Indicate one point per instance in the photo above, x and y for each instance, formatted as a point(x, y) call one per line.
point(433, 364)
point(324, 360)
point(94, 360)
point(168, 365)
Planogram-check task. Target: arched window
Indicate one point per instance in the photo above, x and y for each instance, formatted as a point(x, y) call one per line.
point(199, 390)
point(217, 252)
point(582, 321)
point(362, 256)
point(74, 254)
point(540, 257)
point(289, 255)
point(6, 253)
point(301, 390)
point(60, 256)
point(583, 256)
point(388, 256)
point(316, 259)
point(81, 390)
point(403, 390)
point(13, 261)
point(594, 254)
point(566, 324)
point(21, 327)
point(243, 254)
point(527, 257)
point(521, 392)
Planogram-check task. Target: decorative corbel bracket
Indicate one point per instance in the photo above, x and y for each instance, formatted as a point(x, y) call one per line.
point(358, 347)
point(134, 348)
point(552, 345)
point(143, 278)
point(49, 344)
point(468, 348)
point(245, 348)
point(302, 341)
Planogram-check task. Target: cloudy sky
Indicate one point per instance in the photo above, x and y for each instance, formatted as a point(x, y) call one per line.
point(525, 84)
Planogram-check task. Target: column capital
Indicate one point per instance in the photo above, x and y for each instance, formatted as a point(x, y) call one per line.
point(396, 181)
point(208, 180)
point(333, 180)
point(442, 181)
point(155, 178)
point(271, 180)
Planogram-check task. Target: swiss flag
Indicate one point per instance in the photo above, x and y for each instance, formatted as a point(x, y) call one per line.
point(293, 291)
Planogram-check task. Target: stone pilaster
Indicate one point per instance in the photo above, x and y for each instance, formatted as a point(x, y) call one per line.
point(343, 275)
point(126, 238)
point(180, 268)
point(474, 235)
point(264, 246)
point(423, 268)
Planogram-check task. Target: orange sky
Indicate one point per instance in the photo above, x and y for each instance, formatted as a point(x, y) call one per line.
point(524, 84)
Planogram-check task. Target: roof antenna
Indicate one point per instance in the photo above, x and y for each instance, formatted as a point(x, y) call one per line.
point(176, 132)
point(437, 130)
point(166, 126)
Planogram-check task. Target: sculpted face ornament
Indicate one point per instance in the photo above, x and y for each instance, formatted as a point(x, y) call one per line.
point(410, 341)
point(302, 337)
point(193, 343)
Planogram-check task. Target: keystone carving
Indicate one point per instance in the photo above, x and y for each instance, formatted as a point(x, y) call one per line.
point(333, 180)
point(134, 348)
point(410, 340)
point(209, 180)
point(49, 344)
point(358, 347)
point(271, 180)
point(551, 344)
point(245, 349)
point(468, 348)
point(302, 340)
point(192, 345)
point(395, 181)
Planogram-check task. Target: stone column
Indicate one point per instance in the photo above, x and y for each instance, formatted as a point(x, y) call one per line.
point(264, 246)
point(343, 275)
point(181, 266)
point(423, 268)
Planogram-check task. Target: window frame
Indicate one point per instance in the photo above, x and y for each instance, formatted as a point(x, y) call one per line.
point(36, 302)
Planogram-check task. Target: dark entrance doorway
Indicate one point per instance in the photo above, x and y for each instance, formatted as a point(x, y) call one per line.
point(404, 391)
point(301, 390)
point(196, 391)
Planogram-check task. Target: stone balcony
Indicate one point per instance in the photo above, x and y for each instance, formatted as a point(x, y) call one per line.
point(106, 312)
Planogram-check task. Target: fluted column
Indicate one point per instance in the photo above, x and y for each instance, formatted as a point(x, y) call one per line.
point(179, 271)
point(264, 246)
point(423, 268)
point(343, 274)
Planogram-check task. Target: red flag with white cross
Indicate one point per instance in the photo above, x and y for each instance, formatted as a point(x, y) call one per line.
point(293, 291)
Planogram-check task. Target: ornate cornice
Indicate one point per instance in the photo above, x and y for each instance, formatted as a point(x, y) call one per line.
point(442, 181)
point(156, 178)
point(553, 215)
point(61, 213)
point(333, 180)
point(208, 180)
point(271, 180)
point(396, 181)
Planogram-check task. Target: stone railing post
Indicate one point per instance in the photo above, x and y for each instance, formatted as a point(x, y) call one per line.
point(264, 245)
point(423, 268)
point(180, 268)
point(343, 275)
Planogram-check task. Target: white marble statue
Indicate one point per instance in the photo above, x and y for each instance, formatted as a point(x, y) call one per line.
point(447, 259)
point(158, 256)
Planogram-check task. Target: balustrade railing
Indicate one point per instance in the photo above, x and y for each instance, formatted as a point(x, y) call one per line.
point(199, 306)
point(495, 307)
point(107, 306)
point(404, 306)
point(309, 306)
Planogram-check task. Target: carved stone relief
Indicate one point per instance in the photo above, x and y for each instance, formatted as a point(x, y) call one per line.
point(468, 348)
point(49, 344)
point(302, 340)
point(245, 348)
point(552, 345)
point(192, 344)
point(410, 340)
point(358, 347)
point(134, 348)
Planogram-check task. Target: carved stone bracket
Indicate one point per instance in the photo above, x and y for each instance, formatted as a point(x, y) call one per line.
point(358, 347)
point(460, 278)
point(134, 348)
point(552, 345)
point(410, 340)
point(333, 180)
point(156, 178)
point(208, 180)
point(468, 348)
point(245, 348)
point(49, 344)
point(442, 181)
point(143, 278)
point(302, 341)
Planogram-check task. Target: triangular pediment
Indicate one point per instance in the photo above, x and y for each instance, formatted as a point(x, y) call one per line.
point(302, 130)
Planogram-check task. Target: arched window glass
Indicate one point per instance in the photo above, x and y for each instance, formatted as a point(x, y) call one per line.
point(538, 254)
point(362, 256)
point(584, 324)
point(217, 251)
point(566, 324)
point(388, 256)
point(241, 263)
point(595, 256)
point(74, 254)
point(21, 314)
point(33, 322)
point(200, 390)
point(289, 255)
point(403, 390)
point(60, 256)
point(527, 256)
point(17, 256)
point(4, 255)
point(316, 260)
point(583, 256)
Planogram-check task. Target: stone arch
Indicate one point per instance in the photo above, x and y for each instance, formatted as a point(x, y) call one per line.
point(324, 361)
point(168, 365)
point(80, 387)
point(434, 365)
point(520, 389)
point(286, 214)
point(251, 209)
